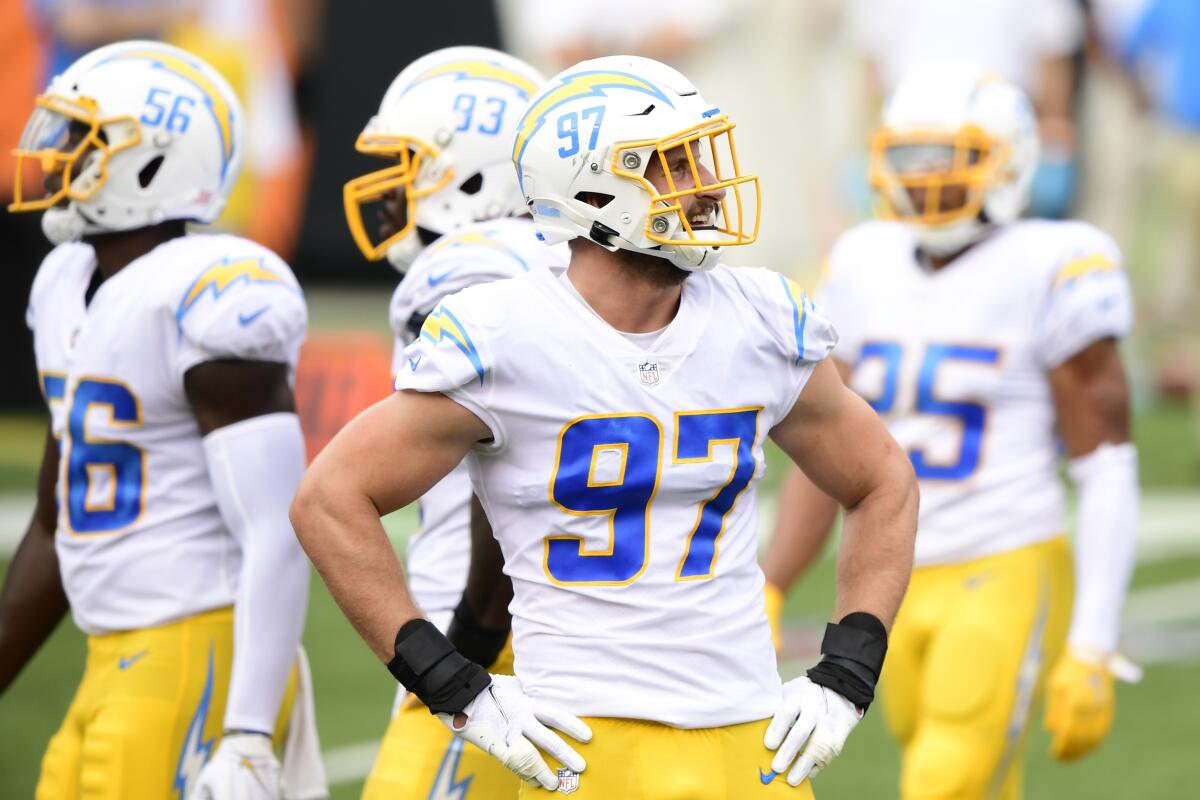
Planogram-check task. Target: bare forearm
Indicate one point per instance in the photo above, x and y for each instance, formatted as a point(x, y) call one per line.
point(31, 604)
point(346, 542)
point(875, 559)
point(803, 521)
point(386, 458)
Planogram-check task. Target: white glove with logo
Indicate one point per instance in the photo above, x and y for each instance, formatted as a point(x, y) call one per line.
point(244, 767)
point(816, 721)
point(504, 723)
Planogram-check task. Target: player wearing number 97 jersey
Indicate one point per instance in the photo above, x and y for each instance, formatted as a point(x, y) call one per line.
point(613, 415)
point(981, 340)
point(165, 358)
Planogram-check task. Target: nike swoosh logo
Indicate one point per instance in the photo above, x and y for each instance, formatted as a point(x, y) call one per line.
point(766, 777)
point(246, 319)
point(434, 280)
point(977, 580)
point(413, 362)
point(125, 663)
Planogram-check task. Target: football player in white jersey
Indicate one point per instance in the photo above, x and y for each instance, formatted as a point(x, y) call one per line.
point(613, 415)
point(449, 201)
point(173, 449)
point(983, 340)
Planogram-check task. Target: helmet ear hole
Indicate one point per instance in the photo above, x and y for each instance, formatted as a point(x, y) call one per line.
point(472, 185)
point(595, 199)
point(147, 173)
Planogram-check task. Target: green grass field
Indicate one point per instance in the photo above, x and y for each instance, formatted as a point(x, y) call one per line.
point(1151, 754)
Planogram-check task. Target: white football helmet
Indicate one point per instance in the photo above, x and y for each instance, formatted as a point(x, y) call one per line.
point(583, 148)
point(955, 154)
point(447, 121)
point(136, 132)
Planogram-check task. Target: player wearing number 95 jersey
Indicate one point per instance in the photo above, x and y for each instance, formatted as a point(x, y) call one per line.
point(173, 450)
point(981, 340)
point(613, 414)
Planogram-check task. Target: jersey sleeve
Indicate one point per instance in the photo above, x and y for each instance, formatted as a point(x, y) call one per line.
point(452, 355)
point(1087, 298)
point(241, 307)
point(801, 334)
point(431, 278)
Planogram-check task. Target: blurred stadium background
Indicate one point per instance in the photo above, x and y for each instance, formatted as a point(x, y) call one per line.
point(1117, 87)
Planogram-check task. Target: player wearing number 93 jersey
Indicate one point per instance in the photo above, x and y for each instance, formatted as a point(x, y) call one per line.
point(613, 415)
point(165, 359)
point(450, 216)
point(982, 339)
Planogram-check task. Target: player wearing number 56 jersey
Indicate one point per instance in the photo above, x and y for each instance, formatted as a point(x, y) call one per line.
point(173, 450)
point(981, 340)
point(614, 415)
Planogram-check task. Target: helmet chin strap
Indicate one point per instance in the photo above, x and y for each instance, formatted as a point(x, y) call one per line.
point(401, 254)
point(690, 258)
point(62, 225)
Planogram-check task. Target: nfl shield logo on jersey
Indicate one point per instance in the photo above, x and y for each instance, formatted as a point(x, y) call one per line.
point(568, 780)
point(648, 372)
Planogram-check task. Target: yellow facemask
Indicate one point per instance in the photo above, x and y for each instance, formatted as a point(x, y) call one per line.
point(934, 178)
point(711, 137)
point(48, 147)
point(411, 156)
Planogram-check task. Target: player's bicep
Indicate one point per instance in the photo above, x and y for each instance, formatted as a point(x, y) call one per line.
point(844, 370)
point(1091, 397)
point(225, 391)
point(397, 449)
point(835, 438)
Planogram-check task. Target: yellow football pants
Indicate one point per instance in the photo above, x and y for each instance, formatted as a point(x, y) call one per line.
point(967, 656)
point(148, 713)
point(420, 758)
point(636, 760)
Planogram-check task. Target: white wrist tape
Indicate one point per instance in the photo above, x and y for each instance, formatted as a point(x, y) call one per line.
point(256, 465)
point(1105, 543)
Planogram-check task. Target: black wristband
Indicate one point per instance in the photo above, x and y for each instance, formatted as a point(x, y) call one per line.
point(481, 645)
point(853, 657)
point(428, 666)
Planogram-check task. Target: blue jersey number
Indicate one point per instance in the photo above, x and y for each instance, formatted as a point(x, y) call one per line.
point(625, 497)
point(972, 416)
point(119, 465)
point(637, 439)
point(695, 434)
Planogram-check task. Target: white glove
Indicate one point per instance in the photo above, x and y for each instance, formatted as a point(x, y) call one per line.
point(810, 714)
point(504, 723)
point(244, 767)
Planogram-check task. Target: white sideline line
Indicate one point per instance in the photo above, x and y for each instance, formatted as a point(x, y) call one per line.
point(1170, 602)
point(351, 762)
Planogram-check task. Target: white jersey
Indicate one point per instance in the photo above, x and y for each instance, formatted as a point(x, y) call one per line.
point(621, 483)
point(957, 362)
point(440, 554)
point(140, 539)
